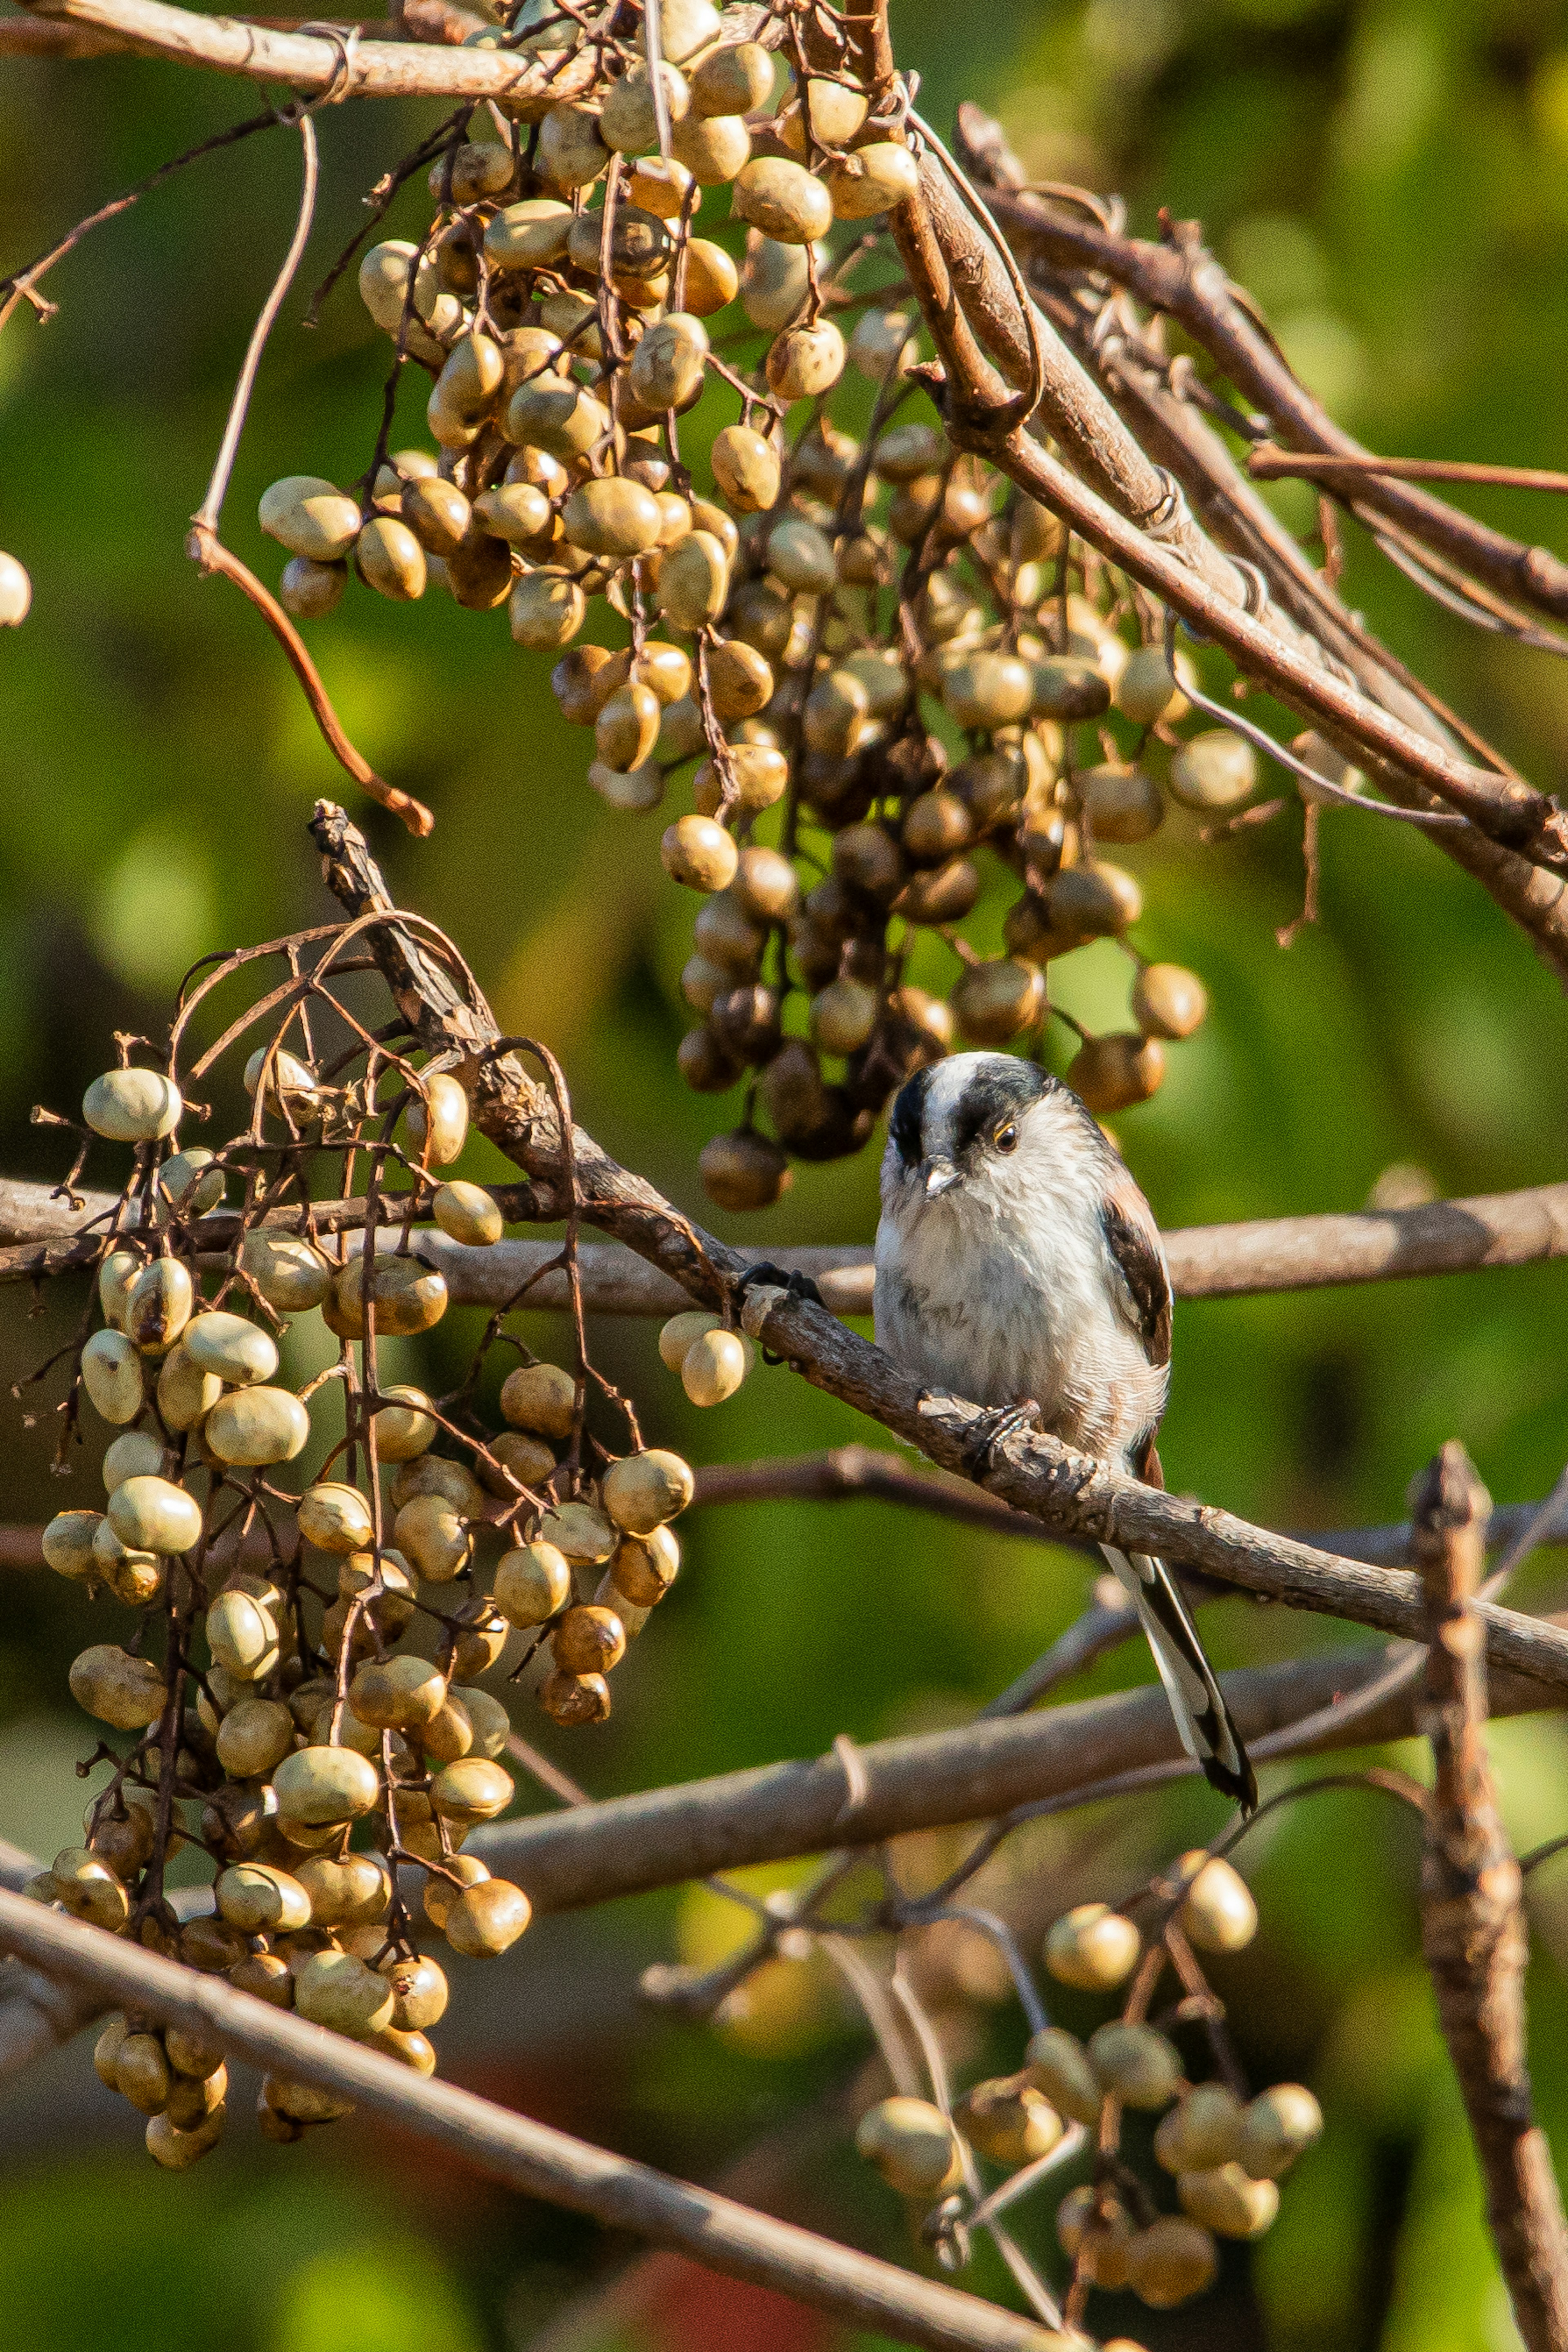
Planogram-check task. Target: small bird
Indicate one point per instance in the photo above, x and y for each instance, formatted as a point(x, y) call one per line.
point(1017, 1265)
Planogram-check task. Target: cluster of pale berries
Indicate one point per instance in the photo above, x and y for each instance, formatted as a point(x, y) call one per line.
point(289, 1746)
point(857, 636)
point(1226, 2154)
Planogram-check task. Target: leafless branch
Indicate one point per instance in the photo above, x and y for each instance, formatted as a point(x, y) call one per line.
point(529, 2157)
point(1472, 1922)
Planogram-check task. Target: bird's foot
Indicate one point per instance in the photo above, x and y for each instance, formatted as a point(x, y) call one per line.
point(765, 1273)
point(990, 1431)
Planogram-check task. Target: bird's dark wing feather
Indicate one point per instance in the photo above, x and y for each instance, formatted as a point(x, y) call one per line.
point(1133, 1239)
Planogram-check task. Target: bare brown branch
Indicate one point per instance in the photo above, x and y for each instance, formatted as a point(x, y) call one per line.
point(527, 2155)
point(1472, 1923)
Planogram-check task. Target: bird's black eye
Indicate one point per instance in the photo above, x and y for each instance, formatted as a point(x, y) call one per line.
point(1005, 1136)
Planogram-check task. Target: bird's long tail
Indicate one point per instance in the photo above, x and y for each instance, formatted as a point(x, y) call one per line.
point(1207, 1730)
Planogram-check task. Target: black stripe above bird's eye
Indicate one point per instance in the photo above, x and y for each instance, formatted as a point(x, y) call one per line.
point(991, 1097)
point(906, 1127)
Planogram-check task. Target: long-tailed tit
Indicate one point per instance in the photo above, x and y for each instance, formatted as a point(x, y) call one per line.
point(1017, 1262)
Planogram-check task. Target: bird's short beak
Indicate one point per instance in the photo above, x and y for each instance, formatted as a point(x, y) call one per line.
point(939, 1174)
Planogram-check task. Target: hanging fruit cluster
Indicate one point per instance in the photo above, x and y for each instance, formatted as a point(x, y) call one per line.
point(1225, 2151)
point(857, 663)
point(298, 1672)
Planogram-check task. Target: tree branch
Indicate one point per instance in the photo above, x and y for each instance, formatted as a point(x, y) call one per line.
point(1033, 1471)
point(662, 1837)
point(45, 1237)
point(530, 2157)
point(1472, 1923)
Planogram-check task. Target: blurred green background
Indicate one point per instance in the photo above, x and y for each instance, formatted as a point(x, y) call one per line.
point(1390, 181)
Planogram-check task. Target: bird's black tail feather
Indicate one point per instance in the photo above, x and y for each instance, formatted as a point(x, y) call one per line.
point(1207, 1731)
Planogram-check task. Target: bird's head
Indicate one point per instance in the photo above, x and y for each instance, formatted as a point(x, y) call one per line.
point(975, 1129)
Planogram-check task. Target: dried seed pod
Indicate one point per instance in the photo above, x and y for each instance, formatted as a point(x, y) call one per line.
point(581, 1531)
point(142, 2073)
point(319, 1785)
point(16, 593)
point(66, 1543)
point(837, 714)
point(1095, 2232)
point(712, 281)
point(867, 861)
point(309, 591)
point(530, 236)
point(765, 885)
point(437, 515)
point(667, 367)
point(136, 1455)
point(528, 1460)
point(407, 1296)
point(643, 1490)
point(116, 1688)
point(433, 1534)
point(256, 1898)
point(404, 1429)
point(242, 1636)
point(681, 1332)
point(628, 120)
point(774, 283)
point(335, 1517)
point(302, 2103)
point(256, 1427)
point(935, 826)
point(473, 1789)
point(91, 1889)
point(881, 340)
point(400, 1694)
point(383, 280)
point(643, 1567)
point(1168, 1001)
point(1277, 2126)
point(440, 1892)
point(715, 1363)
point(517, 512)
point(1121, 804)
point(659, 185)
point(871, 179)
point(744, 1022)
point(288, 1271)
point(390, 559)
point(191, 1181)
point(699, 853)
point(783, 201)
point(556, 416)
point(185, 1393)
point(736, 80)
point(132, 1106)
point(1058, 2065)
point(713, 148)
point(613, 518)
point(943, 894)
point(802, 557)
point(486, 1919)
point(1094, 1948)
point(1146, 692)
point(1224, 2200)
point(740, 680)
point(254, 1735)
point(909, 451)
point(152, 1514)
point(1008, 2120)
point(545, 610)
point(843, 1014)
point(805, 361)
point(703, 1064)
point(743, 1170)
point(929, 1017)
point(542, 1398)
point(335, 1989)
point(746, 468)
point(911, 2145)
point(994, 1001)
point(308, 516)
point(532, 1584)
point(1202, 2132)
point(1095, 900)
point(420, 1993)
point(693, 579)
point(238, 1352)
point(1215, 769)
point(115, 1276)
point(1218, 1913)
point(465, 1212)
point(1135, 2064)
point(570, 152)
point(718, 525)
point(1067, 689)
point(1170, 2262)
point(987, 690)
point(432, 1474)
point(111, 1375)
point(1111, 1074)
point(761, 777)
point(627, 727)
